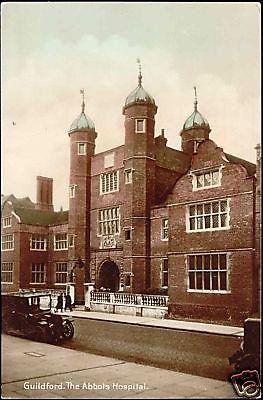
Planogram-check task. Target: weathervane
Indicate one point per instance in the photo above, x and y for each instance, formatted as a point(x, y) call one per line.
point(140, 72)
point(195, 103)
point(83, 99)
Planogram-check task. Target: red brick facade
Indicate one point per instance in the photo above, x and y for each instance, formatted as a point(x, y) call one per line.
point(119, 201)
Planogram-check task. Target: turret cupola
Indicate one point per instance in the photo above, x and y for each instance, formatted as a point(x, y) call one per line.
point(195, 130)
point(139, 95)
point(83, 122)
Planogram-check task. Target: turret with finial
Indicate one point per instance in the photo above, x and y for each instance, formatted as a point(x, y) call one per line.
point(83, 100)
point(195, 103)
point(140, 72)
point(139, 95)
point(83, 122)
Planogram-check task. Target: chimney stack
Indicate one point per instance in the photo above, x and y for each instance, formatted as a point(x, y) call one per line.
point(45, 193)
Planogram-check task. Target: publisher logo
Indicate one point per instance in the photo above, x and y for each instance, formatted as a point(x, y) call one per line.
point(246, 383)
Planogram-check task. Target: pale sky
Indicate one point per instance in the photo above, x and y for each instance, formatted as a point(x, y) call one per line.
point(52, 50)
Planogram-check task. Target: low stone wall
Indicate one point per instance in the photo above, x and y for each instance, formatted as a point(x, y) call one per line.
point(142, 311)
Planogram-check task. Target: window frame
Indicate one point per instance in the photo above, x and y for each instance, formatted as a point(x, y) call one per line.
point(105, 221)
point(165, 230)
point(56, 241)
point(205, 171)
point(80, 144)
point(11, 242)
point(197, 217)
point(61, 273)
point(164, 272)
point(71, 240)
point(128, 175)
point(5, 219)
point(130, 234)
point(41, 274)
point(109, 180)
point(211, 270)
point(38, 239)
point(7, 272)
point(144, 125)
point(72, 191)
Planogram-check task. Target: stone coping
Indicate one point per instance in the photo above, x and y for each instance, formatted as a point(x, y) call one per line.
point(160, 323)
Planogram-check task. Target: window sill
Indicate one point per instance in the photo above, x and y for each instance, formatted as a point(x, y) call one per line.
point(112, 191)
point(38, 249)
point(208, 230)
point(37, 283)
point(195, 189)
point(61, 249)
point(208, 291)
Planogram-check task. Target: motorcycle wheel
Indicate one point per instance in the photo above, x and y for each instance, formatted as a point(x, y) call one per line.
point(68, 330)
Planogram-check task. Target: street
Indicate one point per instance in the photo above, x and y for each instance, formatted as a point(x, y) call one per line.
point(156, 343)
point(39, 370)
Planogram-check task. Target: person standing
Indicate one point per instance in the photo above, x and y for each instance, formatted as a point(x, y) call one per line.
point(59, 305)
point(68, 302)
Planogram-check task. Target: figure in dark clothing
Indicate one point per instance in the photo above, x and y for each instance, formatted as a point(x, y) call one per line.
point(59, 305)
point(68, 302)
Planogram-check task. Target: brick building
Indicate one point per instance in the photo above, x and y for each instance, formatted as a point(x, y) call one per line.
point(144, 218)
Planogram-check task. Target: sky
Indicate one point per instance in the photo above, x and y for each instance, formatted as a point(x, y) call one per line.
point(51, 50)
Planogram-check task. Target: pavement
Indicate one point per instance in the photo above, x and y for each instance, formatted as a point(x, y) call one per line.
point(39, 370)
point(79, 312)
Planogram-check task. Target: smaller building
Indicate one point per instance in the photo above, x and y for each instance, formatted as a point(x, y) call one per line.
point(34, 241)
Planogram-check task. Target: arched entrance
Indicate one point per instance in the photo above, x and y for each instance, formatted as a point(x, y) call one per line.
point(109, 276)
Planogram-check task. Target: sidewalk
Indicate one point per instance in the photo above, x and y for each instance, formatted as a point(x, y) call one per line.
point(79, 312)
point(39, 370)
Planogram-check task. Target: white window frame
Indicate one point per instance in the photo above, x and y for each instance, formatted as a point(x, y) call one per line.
point(60, 273)
point(7, 221)
point(109, 221)
point(143, 120)
point(72, 191)
point(9, 244)
point(71, 240)
point(60, 244)
point(38, 240)
point(165, 230)
point(209, 271)
point(127, 229)
point(7, 270)
point(203, 174)
point(201, 217)
point(38, 272)
point(82, 145)
point(109, 182)
point(164, 272)
point(128, 175)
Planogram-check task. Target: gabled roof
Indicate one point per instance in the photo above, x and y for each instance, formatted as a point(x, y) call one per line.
point(26, 210)
point(250, 167)
point(24, 202)
point(31, 216)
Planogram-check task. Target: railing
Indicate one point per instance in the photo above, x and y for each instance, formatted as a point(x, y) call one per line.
point(100, 297)
point(129, 299)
